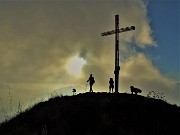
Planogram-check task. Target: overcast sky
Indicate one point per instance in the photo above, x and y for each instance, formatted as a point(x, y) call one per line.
point(53, 45)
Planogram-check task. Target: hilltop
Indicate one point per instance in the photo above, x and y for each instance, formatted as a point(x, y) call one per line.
point(96, 114)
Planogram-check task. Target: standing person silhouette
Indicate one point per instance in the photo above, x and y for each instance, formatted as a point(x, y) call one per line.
point(91, 82)
point(111, 85)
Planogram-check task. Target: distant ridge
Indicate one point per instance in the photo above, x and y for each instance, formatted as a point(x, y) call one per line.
point(96, 114)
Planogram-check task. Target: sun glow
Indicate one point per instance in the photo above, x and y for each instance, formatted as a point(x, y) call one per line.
point(75, 65)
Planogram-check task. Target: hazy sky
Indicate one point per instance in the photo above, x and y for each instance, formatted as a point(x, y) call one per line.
point(53, 45)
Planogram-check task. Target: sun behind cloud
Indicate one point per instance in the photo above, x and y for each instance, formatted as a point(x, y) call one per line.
point(75, 65)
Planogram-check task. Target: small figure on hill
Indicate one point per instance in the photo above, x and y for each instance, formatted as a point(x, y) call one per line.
point(135, 90)
point(91, 82)
point(111, 85)
point(74, 91)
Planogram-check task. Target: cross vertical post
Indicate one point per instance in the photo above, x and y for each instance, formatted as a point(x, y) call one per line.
point(117, 67)
point(116, 32)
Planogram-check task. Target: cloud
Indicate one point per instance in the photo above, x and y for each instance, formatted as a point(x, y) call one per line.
point(37, 38)
point(139, 71)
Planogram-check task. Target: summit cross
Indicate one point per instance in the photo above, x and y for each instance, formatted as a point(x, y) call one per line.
point(116, 32)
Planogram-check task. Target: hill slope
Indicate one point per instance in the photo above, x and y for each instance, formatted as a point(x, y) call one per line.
point(96, 114)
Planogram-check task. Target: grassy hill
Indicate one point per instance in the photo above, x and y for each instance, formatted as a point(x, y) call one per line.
point(96, 114)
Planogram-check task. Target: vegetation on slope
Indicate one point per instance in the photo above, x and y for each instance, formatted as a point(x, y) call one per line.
point(96, 114)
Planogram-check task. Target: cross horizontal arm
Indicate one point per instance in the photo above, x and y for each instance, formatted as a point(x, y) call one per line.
point(119, 31)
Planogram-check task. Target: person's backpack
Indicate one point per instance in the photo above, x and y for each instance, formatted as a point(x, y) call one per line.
point(92, 80)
